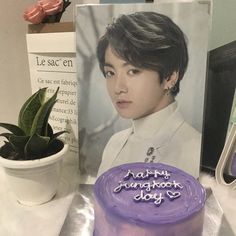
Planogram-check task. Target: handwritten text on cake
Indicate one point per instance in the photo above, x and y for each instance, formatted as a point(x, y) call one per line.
point(172, 187)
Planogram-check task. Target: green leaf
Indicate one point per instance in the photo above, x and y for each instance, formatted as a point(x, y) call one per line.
point(36, 145)
point(19, 142)
point(30, 109)
point(49, 131)
point(46, 127)
point(41, 118)
point(7, 151)
point(6, 135)
point(58, 134)
point(13, 128)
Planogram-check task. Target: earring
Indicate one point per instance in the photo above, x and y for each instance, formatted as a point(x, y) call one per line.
point(174, 88)
point(167, 91)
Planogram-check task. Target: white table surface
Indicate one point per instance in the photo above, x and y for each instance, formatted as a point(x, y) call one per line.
point(226, 198)
point(43, 220)
point(47, 219)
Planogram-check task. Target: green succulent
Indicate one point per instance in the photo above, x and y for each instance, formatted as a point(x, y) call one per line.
point(33, 138)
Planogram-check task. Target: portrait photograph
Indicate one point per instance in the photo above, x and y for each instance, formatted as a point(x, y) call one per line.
point(141, 71)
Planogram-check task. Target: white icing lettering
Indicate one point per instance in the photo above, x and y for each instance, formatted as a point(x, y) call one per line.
point(148, 186)
point(177, 185)
point(129, 174)
point(147, 174)
point(156, 198)
point(172, 195)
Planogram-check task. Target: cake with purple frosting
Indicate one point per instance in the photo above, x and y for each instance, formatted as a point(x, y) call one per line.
point(148, 199)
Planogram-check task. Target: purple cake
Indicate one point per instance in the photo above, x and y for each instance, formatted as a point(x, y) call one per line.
point(148, 199)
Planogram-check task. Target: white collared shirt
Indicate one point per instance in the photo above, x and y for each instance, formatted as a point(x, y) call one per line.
point(163, 137)
point(143, 131)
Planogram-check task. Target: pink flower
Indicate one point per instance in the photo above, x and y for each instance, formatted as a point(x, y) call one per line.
point(34, 14)
point(46, 11)
point(51, 7)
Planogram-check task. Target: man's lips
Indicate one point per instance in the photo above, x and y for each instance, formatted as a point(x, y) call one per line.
point(123, 103)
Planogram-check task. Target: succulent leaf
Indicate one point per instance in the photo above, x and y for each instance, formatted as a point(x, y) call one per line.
point(58, 134)
point(18, 142)
point(13, 128)
point(6, 135)
point(36, 145)
point(49, 131)
point(33, 138)
point(30, 109)
point(41, 118)
point(7, 151)
point(45, 127)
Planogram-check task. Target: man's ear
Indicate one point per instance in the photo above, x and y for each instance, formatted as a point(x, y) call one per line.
point(171, 80)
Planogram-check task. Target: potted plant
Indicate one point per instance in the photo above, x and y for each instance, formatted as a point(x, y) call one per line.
point(32, 153)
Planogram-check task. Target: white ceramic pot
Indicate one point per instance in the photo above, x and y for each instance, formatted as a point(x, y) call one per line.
point(34, 182)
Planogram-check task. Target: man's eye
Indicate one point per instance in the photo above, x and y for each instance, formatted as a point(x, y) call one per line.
point(108, 74)
point(134, 71)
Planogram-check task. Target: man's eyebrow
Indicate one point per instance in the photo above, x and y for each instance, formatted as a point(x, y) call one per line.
point(110, 65)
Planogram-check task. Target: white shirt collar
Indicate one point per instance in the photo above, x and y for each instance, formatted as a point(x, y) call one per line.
point(149, 125)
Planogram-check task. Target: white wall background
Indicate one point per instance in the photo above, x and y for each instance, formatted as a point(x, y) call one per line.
point(223, 23)
point(14, 74)
point(14, 71)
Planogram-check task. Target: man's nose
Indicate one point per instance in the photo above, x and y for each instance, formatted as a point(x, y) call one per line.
point(121, 84)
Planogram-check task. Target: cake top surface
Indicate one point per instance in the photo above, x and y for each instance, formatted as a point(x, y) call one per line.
point(151, 193)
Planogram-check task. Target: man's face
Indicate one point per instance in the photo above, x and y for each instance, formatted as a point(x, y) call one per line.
point(135, 92)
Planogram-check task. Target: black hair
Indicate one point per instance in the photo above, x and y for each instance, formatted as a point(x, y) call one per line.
point(147, 40)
